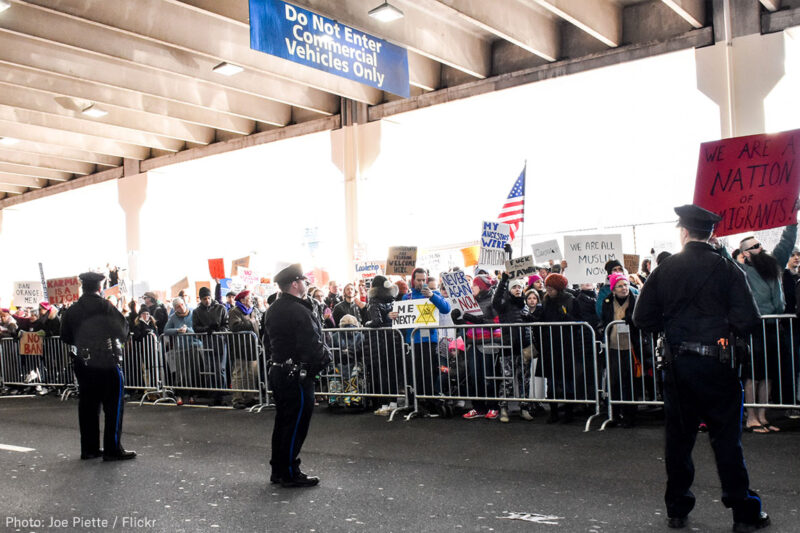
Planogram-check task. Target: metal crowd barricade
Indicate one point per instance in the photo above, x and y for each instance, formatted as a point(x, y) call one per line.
point(196, 362)
point(630, 374)
point(11, 362)
point(143, 368)
point(368, 364)
point(553, 362)
point(56, 367)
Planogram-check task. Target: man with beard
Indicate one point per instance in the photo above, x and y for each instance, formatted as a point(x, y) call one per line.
point(770, 351)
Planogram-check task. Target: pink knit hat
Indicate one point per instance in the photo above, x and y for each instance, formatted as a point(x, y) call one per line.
point(615, 278)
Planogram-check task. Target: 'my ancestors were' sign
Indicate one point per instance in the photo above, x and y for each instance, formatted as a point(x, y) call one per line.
point(752, 182)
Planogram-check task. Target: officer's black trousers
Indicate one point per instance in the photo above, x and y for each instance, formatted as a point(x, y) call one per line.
point(294, 405)
point(701, 388)
point(100, 387)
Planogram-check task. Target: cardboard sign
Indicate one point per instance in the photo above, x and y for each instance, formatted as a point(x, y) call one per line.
point(631, 263)
point(471, 255)
point(63, 290)
point(178, 287)
point(242, 262)
point(216, 267)
point(521, 267)
point(545, 251)
point(28, 293)
point(752, 182)
point(415, 313)
point(494, 237)
point(401, 260)
point(30, 343)
point(112, 291)
point(588, 254)
point(199, 285)
point(368, 269)
point(459, 292)
point(249, 277)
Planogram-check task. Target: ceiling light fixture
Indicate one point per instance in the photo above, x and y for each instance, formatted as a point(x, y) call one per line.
point(227, 69)
point(386, 12)
point(94, 112)
point(8, 141)
point(4, 5)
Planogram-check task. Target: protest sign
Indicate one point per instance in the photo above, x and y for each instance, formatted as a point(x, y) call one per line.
point(414, 313)
point(28, 293)
point(233, 285)
point(470, 255)
point(751, 182)
point(199, 285)
point(521, 267)
point(236, 264)
point(249, 277)
point(178, 287)
point(63, 290)
point(161, 296)
point(216, 267)
point(494, 237)
point(401, 260)
point(368, 269)
point(431, 261)
point(631, 263)
point(588, 254)
point(459, 292)
point(30, 343)
point(112, 291)
point(544, 252)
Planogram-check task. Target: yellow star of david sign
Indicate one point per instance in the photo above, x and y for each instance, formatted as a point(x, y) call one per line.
point(426, 315)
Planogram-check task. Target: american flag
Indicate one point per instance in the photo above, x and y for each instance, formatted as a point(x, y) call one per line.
point(513, 210)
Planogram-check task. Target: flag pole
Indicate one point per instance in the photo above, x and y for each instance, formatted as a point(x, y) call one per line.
point(522, 224)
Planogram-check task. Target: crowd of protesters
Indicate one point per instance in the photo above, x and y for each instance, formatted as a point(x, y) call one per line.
point(465, 355)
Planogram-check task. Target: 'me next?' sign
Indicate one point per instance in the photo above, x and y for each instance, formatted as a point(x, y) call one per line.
point(293, 33)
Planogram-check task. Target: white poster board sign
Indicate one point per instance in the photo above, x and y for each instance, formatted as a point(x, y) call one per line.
point(521, 267)
point(28, 293)
point(415, 313)
point(459, 292)
point(368, 269)
point(249, 277)
point(545, 251)
point(588, 254)
point(494, 237)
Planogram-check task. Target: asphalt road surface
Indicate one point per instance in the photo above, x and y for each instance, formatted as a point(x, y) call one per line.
point(202, 469)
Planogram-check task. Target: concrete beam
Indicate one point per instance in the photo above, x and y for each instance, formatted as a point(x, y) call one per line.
point(692, 11)
point(692, 39)
point(40, 148)
point(780, 20)
point(92, 179)
point(23, 181)
point(32, 172)
point(38, 162)
point(772, 5)
point(602, 19)
point(512, 21)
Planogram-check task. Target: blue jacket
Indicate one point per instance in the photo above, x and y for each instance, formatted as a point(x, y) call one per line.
point(441, 304)
point(176, 322)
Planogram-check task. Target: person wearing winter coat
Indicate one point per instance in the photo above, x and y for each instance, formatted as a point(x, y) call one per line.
point(48, 321)
point(625, 370)
point(244, 373)
point(8, 326)
point(182, 353)
point(385, 347)
point(144, 325)
point(509, 304)
point(156, 310)
point(612, 266)
point(208, 318)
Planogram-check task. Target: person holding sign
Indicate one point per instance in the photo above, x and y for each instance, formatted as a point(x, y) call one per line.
point(97, 330)
point(425, 340)
point(697, 298)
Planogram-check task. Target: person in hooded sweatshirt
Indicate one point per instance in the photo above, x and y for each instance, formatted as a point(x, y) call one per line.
point(509, 304)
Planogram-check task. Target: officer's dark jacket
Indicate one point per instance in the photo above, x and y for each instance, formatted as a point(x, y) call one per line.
point(294, 332)
point(683, 298)
point(211, 318)
point(90, 321)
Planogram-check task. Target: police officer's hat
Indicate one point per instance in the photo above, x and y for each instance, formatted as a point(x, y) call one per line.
point(91, 277)
point(696, 218)
point(290, 274)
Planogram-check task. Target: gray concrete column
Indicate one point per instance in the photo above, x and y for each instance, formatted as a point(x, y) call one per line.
point(132, 191)
point(353, 150)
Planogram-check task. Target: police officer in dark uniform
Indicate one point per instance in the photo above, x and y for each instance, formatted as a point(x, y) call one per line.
point(698, 299)
point(96, 330)
point(294, 341)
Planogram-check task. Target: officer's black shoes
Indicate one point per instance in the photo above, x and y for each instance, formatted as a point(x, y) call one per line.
point(299, 480)
point(91, 455)
point(677, 522)
point(747, 527)
point(122, 455)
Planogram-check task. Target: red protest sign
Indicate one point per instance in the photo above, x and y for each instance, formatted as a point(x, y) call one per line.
point(752, 182)
point(63, 290)
point(216, 267)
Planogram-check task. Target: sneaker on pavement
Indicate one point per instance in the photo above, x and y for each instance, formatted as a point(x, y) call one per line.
point(473, 414)
point(491, 414)
point(504, 415)
point(793, 413)
point(526, 414)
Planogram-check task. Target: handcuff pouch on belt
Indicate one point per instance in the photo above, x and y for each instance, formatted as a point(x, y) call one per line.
point(107, 354)
point(723, 350)
point(301, 370)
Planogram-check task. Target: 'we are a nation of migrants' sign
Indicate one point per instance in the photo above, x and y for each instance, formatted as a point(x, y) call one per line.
point(304, 37)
